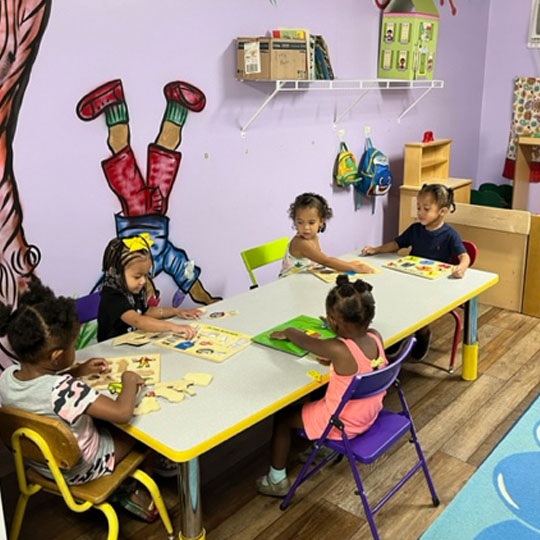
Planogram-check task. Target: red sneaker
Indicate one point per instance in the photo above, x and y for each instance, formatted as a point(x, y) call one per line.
point(95, 102)
point(186, 94)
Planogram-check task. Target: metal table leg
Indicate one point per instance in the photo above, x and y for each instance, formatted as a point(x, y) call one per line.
point(189, 489)
point(470, 341)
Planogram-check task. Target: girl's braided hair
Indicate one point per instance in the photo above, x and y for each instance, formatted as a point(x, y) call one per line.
point(312, 200)
point(442, 195)
point(41, 323)
point(352, 300)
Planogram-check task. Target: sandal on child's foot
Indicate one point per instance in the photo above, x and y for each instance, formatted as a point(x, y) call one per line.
point(139, 503)
point(166, 468)
point(322, 454)
point(266, 487)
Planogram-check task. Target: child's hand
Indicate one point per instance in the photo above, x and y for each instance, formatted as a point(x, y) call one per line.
point(458, 272)
point(92, 366)
point(369, 250)
point(361, 268)
point(278, 335)
point(189, 313)
point(131, 378)
point(184, 330)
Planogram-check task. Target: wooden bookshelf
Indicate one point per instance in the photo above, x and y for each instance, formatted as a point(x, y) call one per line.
point(427, 163)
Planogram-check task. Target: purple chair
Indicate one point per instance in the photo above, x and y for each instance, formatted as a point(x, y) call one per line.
point(388, 429)
point(87, 307)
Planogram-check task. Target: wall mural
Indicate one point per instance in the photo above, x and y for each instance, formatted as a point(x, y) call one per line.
point(22, 25)
point(144, 204)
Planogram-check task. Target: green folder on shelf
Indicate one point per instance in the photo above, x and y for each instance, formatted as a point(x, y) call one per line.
point(309, 325)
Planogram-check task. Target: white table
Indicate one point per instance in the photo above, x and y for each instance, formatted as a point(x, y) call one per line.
point(258, 381)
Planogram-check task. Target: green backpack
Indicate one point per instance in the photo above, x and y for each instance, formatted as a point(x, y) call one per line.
point(345, 167)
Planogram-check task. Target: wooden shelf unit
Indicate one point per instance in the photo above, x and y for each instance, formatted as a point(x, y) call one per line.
point(427, 163)
point(520, 194)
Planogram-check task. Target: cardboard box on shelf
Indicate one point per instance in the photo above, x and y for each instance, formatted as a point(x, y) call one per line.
point(253, 58)
point(271, 58)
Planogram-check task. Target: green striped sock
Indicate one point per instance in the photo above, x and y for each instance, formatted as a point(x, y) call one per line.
point(175, 113)
point(116, 114)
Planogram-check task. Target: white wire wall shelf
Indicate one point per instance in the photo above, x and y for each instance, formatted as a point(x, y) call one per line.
point(363, 85)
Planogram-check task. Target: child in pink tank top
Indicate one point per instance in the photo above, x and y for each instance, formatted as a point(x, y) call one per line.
point(350, 308)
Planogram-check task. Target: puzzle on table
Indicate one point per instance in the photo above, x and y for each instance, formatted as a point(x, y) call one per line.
point(210, 342)
point(309, 325)
point(136, 339)
point(148, 366)
point(173, 391)
point(418, 266)
point(330, 275)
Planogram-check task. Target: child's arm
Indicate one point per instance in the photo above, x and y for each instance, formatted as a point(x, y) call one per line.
point(118, 411)
point(308, 250)
point(464, 262)
point(149, 324)
point(389, 247)
point(332, 349)
point(166, 312)
point(91, 366)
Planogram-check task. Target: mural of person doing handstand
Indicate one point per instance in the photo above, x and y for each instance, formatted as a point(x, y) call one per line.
point(144, 205)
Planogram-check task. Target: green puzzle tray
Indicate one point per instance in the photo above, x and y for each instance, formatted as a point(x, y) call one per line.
point(302, 323)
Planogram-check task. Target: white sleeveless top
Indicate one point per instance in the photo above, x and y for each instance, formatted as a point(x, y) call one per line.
point(292, 264)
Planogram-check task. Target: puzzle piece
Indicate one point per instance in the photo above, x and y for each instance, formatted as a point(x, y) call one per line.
point(199, 379)
point(147, 405)
point(180, 386)
point(315, 375)
point(169, 393)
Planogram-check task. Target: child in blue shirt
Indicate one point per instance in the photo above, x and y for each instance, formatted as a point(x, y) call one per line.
point(430, 237)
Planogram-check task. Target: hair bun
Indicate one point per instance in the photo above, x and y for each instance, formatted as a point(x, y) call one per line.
point(342, 279)
point(362, 286)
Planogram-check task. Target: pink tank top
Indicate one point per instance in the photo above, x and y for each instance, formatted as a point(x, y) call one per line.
point(359, 414)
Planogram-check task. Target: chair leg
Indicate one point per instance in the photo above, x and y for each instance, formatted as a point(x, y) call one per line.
point(457, 339)
point(302, 476)
point(18, 517)
point(112, 520)
point(363, 497)
point(425, 468)
point(151, 486)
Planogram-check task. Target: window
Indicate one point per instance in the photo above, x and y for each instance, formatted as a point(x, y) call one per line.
point(534, 25)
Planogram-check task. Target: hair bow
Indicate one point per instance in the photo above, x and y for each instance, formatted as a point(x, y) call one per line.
point(136, 243)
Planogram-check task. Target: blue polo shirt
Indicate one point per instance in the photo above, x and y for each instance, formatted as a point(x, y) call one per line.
point(443, 244)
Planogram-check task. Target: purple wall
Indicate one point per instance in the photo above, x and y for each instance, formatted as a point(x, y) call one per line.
point(231, 193)
point(507, 57)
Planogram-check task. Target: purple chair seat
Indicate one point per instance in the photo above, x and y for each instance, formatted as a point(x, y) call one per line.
point(87, 307)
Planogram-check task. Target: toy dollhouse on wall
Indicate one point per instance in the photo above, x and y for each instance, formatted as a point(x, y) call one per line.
point(408, 42)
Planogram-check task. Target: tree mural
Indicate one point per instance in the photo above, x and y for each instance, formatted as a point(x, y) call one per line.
point(22, 24)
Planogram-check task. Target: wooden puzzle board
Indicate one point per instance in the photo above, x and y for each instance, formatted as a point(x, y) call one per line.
point(210, 343)
point(419, 266)
point(148, 366)
point(330, 275)
point(309, 325)
point(137, 338)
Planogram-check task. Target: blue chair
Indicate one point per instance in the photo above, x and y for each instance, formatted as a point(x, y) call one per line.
point(87, 307)
point(387, 430)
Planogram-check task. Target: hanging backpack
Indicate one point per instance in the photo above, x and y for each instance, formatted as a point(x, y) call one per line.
point(345, 167)
point(374, 175)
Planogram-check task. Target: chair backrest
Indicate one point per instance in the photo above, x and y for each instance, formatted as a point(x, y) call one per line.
point(87, 307)
point(472, 250)
point(58, 437)
point(371, 384)
point(265, 254)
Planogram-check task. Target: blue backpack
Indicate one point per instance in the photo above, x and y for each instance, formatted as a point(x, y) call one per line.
point(374, 175)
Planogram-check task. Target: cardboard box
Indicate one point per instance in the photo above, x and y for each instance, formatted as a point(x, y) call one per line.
point(253, 58)
point(271, 58)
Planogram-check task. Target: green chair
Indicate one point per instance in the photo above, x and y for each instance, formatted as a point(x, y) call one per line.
point(262, 255)
point(503, 190)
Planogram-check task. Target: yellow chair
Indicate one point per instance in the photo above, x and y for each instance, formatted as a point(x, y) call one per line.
point(261, 255)
point(50, 441)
